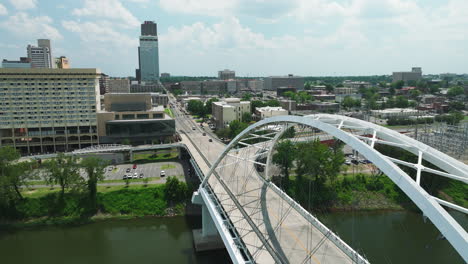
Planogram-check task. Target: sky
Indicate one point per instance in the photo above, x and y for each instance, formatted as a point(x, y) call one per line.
point(252, 37)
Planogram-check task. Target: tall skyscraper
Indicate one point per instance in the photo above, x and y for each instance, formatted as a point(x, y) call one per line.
point(41, 56)
point(148, 54)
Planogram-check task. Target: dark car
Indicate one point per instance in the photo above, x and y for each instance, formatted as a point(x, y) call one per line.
point(128, 170)
point(210, 140)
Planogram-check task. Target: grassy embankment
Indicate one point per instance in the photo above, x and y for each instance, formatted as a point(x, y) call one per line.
point(44, 206)
point(368, 192)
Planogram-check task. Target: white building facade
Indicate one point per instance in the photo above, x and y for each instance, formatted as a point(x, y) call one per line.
point(229, 110)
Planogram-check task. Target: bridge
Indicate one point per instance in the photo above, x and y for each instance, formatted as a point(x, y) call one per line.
point(259, 223)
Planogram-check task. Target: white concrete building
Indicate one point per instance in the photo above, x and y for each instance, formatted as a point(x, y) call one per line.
point(395, 113)
point(229, 110)
point(268, 111)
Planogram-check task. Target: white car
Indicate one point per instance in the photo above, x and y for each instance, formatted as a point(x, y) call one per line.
point(135, 175)
point(162, 174)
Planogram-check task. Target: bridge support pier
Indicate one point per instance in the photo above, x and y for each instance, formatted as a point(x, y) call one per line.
point(206, 238)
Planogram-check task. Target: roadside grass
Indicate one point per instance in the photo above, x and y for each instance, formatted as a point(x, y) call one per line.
point(169, 112)
point(167, 166)
point(146, 157)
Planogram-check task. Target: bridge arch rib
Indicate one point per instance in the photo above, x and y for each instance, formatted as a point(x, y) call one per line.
point(429, 205)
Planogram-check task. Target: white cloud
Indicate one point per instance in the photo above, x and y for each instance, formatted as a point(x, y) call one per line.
point(100, 33)
point(229, 34)
point(23, 4)
point(3, 10)
point(22, 25)
point(199, 7)
point(107, 9)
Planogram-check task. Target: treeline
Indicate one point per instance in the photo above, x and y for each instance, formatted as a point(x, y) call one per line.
point(453, 118)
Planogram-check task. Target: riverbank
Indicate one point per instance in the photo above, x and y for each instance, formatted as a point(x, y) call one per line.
point(44, 206)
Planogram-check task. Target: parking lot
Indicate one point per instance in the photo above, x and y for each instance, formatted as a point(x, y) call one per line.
point(149, 170)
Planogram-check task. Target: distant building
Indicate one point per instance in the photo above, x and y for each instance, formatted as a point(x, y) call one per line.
point(134, 117)
point(145, 88)
point(345, 90)
point(255, 85)
point(273, 82)
point(340, 97)
point(289, 105)
point(43, 113)
point(103, 83)
point(226, 74)
point(191, 87)
point(148, 53)
point(118, 85)
point(230, 109)
point(414, 75)
point(62, 62)
point(23, 63)
point(394, 113)
point(356, 85)
point(268, 111)
point(41, 56)
point(325, 107)
point(165, 75)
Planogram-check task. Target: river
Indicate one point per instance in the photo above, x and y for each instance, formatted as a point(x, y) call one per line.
point(384, 237)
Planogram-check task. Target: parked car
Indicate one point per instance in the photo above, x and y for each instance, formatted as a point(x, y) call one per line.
point(162, 174)
point(135, 175)
point(347, 162)
point(193, 128)
point(110, 168)
point(124, 177)
point(210, 140)
point(134, 166)
point(128, 170)
point(204, 134)
point(141, 175)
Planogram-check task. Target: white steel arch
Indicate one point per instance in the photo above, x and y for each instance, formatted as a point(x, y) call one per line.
point(429, 205)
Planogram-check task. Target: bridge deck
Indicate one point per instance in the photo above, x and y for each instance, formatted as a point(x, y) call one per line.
point(287, 230)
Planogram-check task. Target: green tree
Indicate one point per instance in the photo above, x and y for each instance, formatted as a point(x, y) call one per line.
point(284, 158)
point(289, 133)
point(175, 190)
point(64, 171)
point(246, 97)
point(126, 141)
point(329, 88)
point(236, 128)
point(398, 84)
point(457, 106)
point(455, 91)
point(13, 175)
point(94, 168)
point(307, 86)
point(208, 105)
point(414, 94)
point(401, 101)
point(272, 103)
point(246, 117)
point(304, 96)
point(196, 107)
point(348, 102)
point(290, 94)
point(318, 161)
point(223, 132)
point(254, 104)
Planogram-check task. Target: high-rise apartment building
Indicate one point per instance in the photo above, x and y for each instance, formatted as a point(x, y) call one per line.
point(226, 74)
point(414, 75)
point(273, 82)
point(62, 62)
point(148, 54)
point(41, 56)
point(48, 110)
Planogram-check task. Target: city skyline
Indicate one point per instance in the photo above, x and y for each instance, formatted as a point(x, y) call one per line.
point(310, 38)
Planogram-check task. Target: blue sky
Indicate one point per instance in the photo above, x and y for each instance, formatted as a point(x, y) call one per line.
point(253, 37)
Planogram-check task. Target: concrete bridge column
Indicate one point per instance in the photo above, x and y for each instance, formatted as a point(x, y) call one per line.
point(206, 238)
